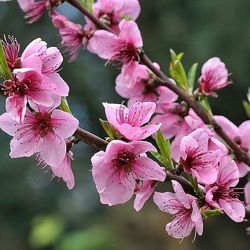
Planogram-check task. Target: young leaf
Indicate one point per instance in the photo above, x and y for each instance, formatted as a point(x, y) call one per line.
point(191, 76)
point(109, 129)
point(177, 71)
point(88, 4)
point(246, 106)
point(205, 104)
point(4, 69)
point(164, 147)
point(64, 106)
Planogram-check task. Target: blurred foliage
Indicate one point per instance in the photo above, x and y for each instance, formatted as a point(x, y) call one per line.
point(39, 213)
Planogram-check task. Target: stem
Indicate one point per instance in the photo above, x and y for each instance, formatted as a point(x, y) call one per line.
point(240, 154)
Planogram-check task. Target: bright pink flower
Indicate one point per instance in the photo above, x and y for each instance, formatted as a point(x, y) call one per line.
point(26, 86)
point(64, 171)
point(143, 190)
point(129, 121)
point(111, 12)
point(214, 76)
point(122, 48)
point(247, 194)
point(221, 195)
point(73, 36)
point(240, 135)
point(184, 210)
point(43, 131)
point(197, 159)
point(117, 171)
point(46, 61)
point(11, 49)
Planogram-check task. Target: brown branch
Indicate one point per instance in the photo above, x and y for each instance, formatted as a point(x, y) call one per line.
point(240, 154)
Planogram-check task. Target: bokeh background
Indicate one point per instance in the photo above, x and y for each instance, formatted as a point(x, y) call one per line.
point(39, 213)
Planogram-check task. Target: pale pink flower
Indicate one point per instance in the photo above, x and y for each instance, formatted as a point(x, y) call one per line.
point(185, 212)
point(26, 86)
point(143, 190)
point(73, 36)
point(247, 194)
point(118, 48)
point(43, 131)
point(11, 49)
point(197, 159)
point(129, 121)
point(240, 135)
point(64, 170)
point(117, 171)
point(214, 76)
point(46, 61)
point(111, 12)
point(221, 194)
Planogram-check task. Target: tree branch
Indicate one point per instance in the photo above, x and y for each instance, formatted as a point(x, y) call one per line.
point(240, 154)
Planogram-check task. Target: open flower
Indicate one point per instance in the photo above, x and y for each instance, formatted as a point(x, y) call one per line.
point(185, 212)
point(43, 131)
point(111, 12)
point(129, 121)
point(116, 171)
point(221, 194)
point(197, 159)
point(214, 76)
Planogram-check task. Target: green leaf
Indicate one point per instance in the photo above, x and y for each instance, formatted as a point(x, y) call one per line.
point(205, 104)
point(88, 4)
point(4, 69)
point(246, 106)
point(195, 185)
point(64, 106)
point(191, 76)
point(212, 212)
point(164, 147)
point(111, 132)
point(177, 71)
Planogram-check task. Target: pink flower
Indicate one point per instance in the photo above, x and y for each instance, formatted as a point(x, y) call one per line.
point(111, 12)
point(122, 48)
point(240, 135)
point(64, 170)
point(11, 49)
point(184, 210)
point(26, 86)
point(221, 195)
point(214, 76)
point(43, 131)
point(129, 121)
point(46, 61)
point(197, 159)
point(73, 36)
point(143, 190)
point(247, 194)
point(117, 171)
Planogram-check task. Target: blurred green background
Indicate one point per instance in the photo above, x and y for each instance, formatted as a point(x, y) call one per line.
point(39, 213)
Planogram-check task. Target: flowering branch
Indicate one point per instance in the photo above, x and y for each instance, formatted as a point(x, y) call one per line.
point(165, 81)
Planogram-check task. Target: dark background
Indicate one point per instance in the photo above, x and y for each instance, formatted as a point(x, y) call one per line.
point(39, 213)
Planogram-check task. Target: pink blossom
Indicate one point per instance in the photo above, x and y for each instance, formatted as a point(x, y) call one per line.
point(122, 48)
point(184, 210)
point(143, 190)
point(73, 36)
point(129, 121)
point(43, 131)
point(117, 171)
point(221, 195)
point(46, 61)
point(247, 194)
point(64, 170)
point(26, 86)
point(214, 76)
point(111, 12)
point(240, 135)
point(11, 49)
point(197, 159)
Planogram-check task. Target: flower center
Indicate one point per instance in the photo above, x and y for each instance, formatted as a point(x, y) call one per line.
point(124, 161)
point(43, 123)
point(107, 18)
point(223, 192)
point(16, 87)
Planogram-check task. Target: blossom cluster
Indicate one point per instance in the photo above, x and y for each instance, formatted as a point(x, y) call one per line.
point(129, 165)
